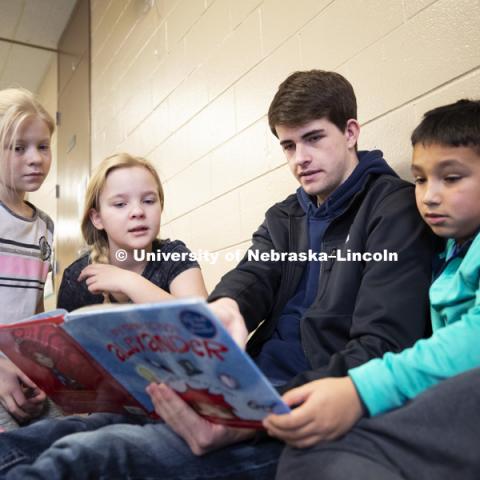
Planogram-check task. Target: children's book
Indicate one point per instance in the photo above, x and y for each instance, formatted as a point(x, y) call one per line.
point(102, 358)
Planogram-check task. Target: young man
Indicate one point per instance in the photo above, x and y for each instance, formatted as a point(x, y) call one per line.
point(327, 316)
point(429, 394)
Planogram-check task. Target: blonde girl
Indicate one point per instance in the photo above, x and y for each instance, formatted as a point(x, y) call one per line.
point(121, 222)
point(26, 233)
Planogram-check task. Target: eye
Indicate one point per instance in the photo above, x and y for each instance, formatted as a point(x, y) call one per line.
point(314, 138)
point(119, 204)
point(44, 147)
point(288, 147)
point(419, 180)
point(19, 148)
point(452, 178)
point(150, 201)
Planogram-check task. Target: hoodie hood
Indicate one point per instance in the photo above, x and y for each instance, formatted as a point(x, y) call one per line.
point(369, 163)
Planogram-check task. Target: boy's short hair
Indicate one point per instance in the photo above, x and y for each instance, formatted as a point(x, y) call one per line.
point(454, 125)
point(311, 95)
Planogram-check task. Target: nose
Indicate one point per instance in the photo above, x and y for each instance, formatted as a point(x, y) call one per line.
point(34, 156)
point(302, 155)
point(431, 193)
point(137, 211)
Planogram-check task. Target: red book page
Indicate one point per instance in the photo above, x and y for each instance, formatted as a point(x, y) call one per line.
point(74, 381)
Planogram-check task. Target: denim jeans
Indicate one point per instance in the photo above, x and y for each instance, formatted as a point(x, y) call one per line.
point(110, 446)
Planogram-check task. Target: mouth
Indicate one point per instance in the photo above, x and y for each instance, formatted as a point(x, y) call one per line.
point(309, 174)
point(138, 229)
point(34, 175)
point(435, 218)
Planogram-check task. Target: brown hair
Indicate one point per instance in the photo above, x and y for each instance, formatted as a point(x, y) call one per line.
point(311, 95)
point(454, 125)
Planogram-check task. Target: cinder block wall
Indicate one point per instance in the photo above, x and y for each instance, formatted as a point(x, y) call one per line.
point(47, 94)
point(45, 198)
point(187, 83)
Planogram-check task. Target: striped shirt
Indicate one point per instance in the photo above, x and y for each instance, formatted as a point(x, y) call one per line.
point(25, 260)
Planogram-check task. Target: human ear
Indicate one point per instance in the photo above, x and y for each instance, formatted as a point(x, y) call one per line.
point(96, 219)
point(352, 131)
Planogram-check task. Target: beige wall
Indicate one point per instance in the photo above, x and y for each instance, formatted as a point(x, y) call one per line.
point(45, 198)
point(47, 95)
point(187, 83)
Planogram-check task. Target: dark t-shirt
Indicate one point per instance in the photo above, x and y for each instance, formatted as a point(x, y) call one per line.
point(74, 294)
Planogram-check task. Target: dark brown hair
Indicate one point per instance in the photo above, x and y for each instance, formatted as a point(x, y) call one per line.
point(311, 95)
point(453, 125)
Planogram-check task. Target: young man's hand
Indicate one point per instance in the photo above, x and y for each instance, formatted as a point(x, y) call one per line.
point(226, 309)
point(18, 394)
point(328, 408)
point(201, 435)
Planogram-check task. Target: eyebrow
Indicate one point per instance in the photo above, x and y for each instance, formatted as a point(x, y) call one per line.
point(126, 194)
point(304, 136)
point(442, 164)
point(21, 141)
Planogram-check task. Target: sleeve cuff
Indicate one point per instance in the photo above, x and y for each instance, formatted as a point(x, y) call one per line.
point(376, 387)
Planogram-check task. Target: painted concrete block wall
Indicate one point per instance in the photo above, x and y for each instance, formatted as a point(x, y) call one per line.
point(45, 197)
point(187, 83)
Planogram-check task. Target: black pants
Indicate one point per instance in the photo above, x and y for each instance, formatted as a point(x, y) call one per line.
point(435, 436)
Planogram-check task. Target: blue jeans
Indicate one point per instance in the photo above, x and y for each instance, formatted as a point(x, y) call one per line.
point(104, 446)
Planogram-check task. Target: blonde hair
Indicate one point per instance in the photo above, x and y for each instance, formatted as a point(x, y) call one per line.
point(16, 106)
point(96, 239)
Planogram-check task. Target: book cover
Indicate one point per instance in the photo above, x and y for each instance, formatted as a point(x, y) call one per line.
point(67, 374)
point(180, 343)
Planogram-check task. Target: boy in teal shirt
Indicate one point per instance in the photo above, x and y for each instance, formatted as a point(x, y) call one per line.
point(437, 381)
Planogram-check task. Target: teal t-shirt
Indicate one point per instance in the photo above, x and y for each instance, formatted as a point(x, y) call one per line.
point(389, 382)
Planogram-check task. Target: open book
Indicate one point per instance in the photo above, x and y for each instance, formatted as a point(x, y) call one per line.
point(101, 359)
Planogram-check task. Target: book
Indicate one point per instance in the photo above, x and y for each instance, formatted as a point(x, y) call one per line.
point(102, 358)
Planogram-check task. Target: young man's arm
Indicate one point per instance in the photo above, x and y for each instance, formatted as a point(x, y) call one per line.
point(252, 284)
point(390, 309)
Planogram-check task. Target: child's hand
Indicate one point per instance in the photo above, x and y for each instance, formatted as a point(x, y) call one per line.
point(102, 277)
point(329, 408)
point(18, 394)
